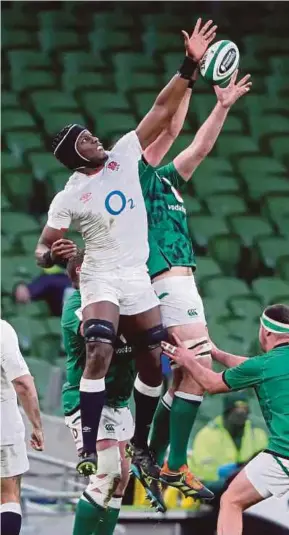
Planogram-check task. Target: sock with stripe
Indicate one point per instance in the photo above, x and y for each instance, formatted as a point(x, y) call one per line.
point(11, 518)
point(146, 401)
point(183, 414)
point(160, 435)
point(92, 397)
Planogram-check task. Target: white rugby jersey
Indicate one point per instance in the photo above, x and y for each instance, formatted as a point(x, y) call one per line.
point(13, 366)
point(108, 209)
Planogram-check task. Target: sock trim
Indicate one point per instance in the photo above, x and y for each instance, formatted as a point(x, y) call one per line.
point(189, 397)
point(167, 400)
point(151, 391)
point(92, 385)
point(11, 507)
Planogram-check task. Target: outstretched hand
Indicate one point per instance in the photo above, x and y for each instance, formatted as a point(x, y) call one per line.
point(197, 44)
point(227, 96)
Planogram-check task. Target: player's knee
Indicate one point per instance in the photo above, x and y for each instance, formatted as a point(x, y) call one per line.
point(99, 337)
point(151, 338)
point(229, 499)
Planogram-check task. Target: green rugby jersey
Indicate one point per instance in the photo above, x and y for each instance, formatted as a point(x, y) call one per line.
point(268, 374)
point(169, 240)
point(121, 374)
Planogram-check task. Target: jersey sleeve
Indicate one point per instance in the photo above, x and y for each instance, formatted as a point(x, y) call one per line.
point(59, 214)
point(12, 361)
point(249, 373)
point(128, 146)
point(169, 171)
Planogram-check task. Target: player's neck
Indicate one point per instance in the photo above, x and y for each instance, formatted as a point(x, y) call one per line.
point(90, 171)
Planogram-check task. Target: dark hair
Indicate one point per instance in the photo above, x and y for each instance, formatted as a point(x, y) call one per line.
point(278, 313)
point(73, 263)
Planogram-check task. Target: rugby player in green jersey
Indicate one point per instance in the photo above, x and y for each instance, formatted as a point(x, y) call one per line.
point(268, 473)
point(171, 266)
point(98, 508)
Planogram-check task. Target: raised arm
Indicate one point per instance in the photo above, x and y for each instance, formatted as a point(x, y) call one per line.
point(189, 159)
point(167, 102)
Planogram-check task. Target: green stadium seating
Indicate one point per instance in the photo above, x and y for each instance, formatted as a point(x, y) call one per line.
point(41, 372)
point(206, 267)
point(210, 184)
point(218, 333)
point(248, 307)
point(78, 60)
point(214, 166)
point(249, 227)
point(115, 20)
point(263, 165)
point(226, 249)
point(14, 38)
point(269, 124)
point(18, 223)
point(5, 203)
point(47, 100)
point(26, 329)
point(18, 186)
point(7, 307)
point(234, 144)
point(34, 309)
point(29, 242)
point(259, 186)
point(6, 245)
point(58, 40)
point(279, 147)
point(16, 119)
point(30, 80)
point(21, 142)
point(271, 290)
point(233, 124)
point(21, 60)
point(109, 124)
point(283, 267)
point(56, 120)
point(272, 248)
point(9, 100)
point(202, 228)
point(192, 205)
point(243, 330)
point(265, 44)
point(276, 207)
point(224, 288)
point(43, 164)
point(225, 204)
point(213, 306)
point(92, 80)
point(104, 101)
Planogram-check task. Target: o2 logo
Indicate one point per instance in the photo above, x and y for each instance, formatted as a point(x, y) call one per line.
point(116, 202)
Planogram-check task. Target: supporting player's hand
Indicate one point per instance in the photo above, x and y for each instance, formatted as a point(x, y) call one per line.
point(197, 44)
point(227, 96)
point(63, 249)
point(37, 439)
point(178, 353)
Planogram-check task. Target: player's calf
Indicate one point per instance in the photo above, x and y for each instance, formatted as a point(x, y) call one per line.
point(99, 338)
point(11, 515)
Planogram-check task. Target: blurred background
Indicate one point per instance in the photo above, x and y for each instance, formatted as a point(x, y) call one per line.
point(102, 64)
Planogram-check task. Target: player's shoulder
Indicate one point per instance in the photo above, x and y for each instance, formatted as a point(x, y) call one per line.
point(126, 143)
point(71, 305)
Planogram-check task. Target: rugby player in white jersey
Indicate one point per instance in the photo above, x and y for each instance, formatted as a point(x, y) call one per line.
point(15, 381)
point(103, 199)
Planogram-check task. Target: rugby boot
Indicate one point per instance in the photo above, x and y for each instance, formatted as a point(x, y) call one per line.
point(87, 466)
point(186, 482)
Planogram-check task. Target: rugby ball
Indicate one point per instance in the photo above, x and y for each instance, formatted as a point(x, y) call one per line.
point(220, 62)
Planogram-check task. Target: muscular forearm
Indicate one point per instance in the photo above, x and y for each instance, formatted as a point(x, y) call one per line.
point(27, 394)
point(229, 360)
point(208, 133)
point(210, 381)
point(41, 255)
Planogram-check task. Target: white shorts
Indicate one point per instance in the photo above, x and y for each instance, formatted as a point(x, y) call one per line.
point(267, 476)
point(115, 424)
point(128, 288)
point(180, 301)
point(14, 460)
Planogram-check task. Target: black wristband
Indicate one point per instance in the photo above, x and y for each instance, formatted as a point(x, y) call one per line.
point(191, 84)
point(187, 68)
point(47, 261)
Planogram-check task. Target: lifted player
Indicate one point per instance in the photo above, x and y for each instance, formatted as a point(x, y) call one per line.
point(171, 266)
point(99, 505)
point(268, 473)
point(103, 198)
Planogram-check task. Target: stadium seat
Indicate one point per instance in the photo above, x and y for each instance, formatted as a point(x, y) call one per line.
point(206, 267)
point(17, 223)
point(218, 333)
point(259, 186)
point(9, 100)
point(41, 372)
point(269, 124)
point(226, 249)
point(111, 124)
point(14, 38)
point(115, 20)
point(279, 147)
point(224, 288)
point(229, 145)
point(271, 290)
point(26, 328)
point(99, 81)
point(272, 248)
point(34, 309)
point(225, 204)
point(262, 165)
point(44, 164)
point(78, 60)
point(55, 120)
point(244, 330)
point(30, 80)
point(16, 120)
point(249, 227)
point(265, 44)
point(213, 307)
point(21, 142)
point(18, 186)
point(6, 245)
point(46, 100)
point(202, 228)
point(276, 207)
point(205, 185)
point(29, 242)
point(248, 307)
point(143, 101)
point(58, 39)
point(282, 267)
point(21, 60)
point(192, 205)
point(104, 101)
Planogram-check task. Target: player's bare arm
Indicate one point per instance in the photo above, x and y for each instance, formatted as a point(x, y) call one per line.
point(228, 359)
point(188, 160)
point(27, 394)
point(52, 247)
point(167, 102)
point(210, 381)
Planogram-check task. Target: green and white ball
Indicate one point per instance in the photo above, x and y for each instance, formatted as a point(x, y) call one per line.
point(220, 62)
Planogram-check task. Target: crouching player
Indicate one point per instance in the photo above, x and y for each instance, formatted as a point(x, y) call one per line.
point(99, 505)
point(98, 508)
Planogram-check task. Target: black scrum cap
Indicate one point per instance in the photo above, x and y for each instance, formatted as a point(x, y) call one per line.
point(64, 147)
